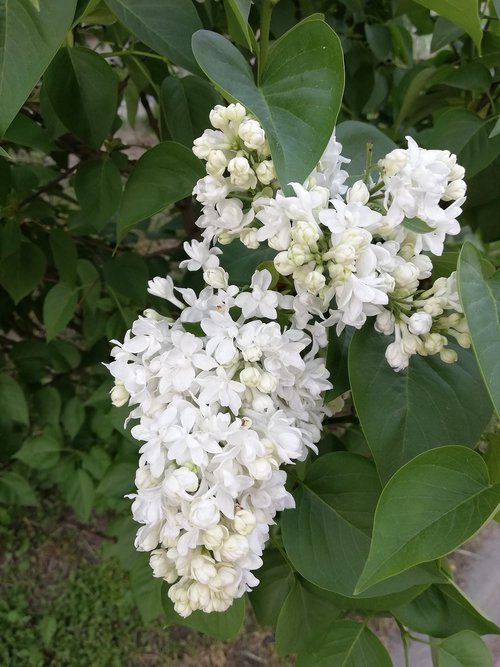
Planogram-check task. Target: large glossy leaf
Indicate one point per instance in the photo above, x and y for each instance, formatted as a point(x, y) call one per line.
point(219, 625)
point(442, 610)
point(348, 644)
point(29, 40)
point(327, 535)
point(465, 649)
point(298, 97)
point(427, 405)
point(428, 508)
point(83, 91)
point(163, 175)
point(479, 287)
point(240, 264)
point(466, 134)
point(165, 26)
point(463, 13)
point(355, 138)
point(185, 105)
point(305, 618)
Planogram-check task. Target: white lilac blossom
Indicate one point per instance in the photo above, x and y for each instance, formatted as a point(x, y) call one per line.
point(222, 397)
point(344, 253)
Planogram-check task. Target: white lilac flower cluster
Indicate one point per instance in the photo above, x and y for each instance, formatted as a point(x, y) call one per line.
point(223, 396)
point(346, 253)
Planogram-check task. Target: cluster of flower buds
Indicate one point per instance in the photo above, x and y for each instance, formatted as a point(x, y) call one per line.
point(346, 253)
point(223, 397)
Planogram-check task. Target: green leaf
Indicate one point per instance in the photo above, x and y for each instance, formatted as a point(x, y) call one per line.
point(30, 38)
point(166, 26)
point(461, 12)
point(467, 135)
point(305, 618)
point(427, 405)
point(479, 287)
point(442, 610)
point(146, 590)
point(298, 97)
point(48, 406)
point(58, 308)
point(416, 225)
point(237, 12)
point(348, 644)
point(219, 625)
point(469, 76)
point(354, 137)
point(21, 271)
point(445, 32)
point(13, 404)
point(16, 489)
point(276, 579)
point(241, 264)
point(492, 456)
point(327, 535)
point(73, 416)
point(117, 481)
point(163, 175)
point(464, 649)
point(336, 361)
point(428, 508)
point(128, 275)
point(80, 494)
point(98, 188)
point(185, 105)
point(445, 264)
point(40, 452)
point(26, 132)
point(65, 254)
point(83, 91)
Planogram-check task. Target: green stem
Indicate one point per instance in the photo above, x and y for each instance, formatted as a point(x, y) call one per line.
point(266, 10)
point(131, 52)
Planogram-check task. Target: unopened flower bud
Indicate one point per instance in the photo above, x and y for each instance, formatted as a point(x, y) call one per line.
point(420, 323)
point(250, 377)
point(448, 356)
point(454, 190)
point(267, 383)
point(162, 566)
point(314, 281)
point(244, 522)
point(241, 173)
point(283, 264)
point(217, 278)
point(119, 395)
point(248, 237)
point(234, 548)
point(252, 134)
point(265, 172)
point(358, 192)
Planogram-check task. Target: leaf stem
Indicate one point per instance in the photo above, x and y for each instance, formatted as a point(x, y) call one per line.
point(266, 10)
point(132, 52)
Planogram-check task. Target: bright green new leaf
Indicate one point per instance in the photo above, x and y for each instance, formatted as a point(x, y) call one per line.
point(479, 287)
point(185, 104)
point(40, 452)
point(165, 26)
point(219, 625)
point(327, 535)
point(30, 39)
point(80, 494)
point(463, 13)
point(442, 610)
point(98, 188)
point(13, 404)
point(58, 308)
point(465, 649)
point(83, 91)
point(427, 405)
point(348, 644)
point(163, 175)
point(21, 271)
point(298, 97)
point(65, 254)
point(305, 618)
point(428, 508)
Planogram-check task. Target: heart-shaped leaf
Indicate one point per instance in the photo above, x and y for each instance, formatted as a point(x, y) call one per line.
point(429, 507)
point(464, 649)
point(327, 535)
point(298, 97)
point(479, 287)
